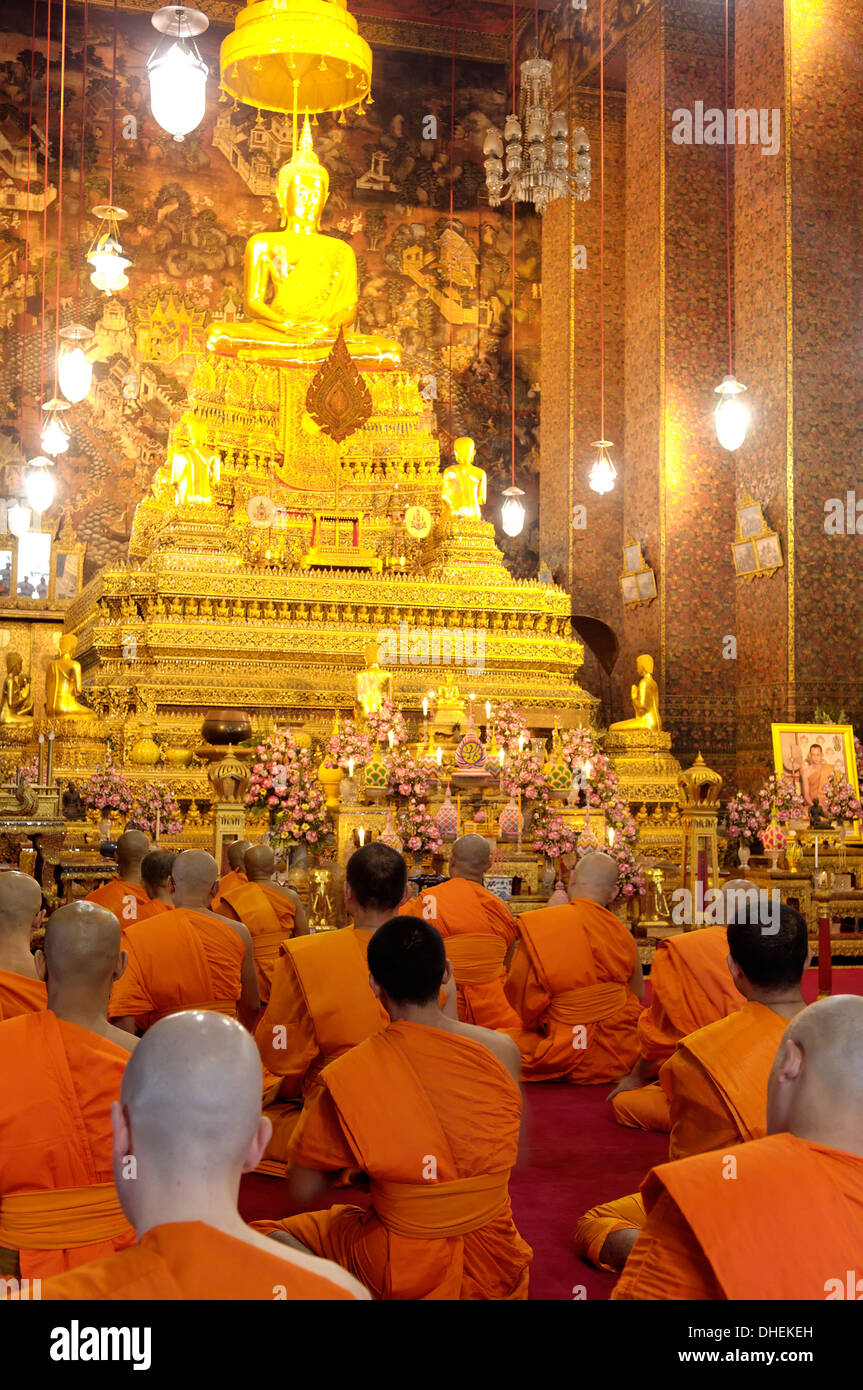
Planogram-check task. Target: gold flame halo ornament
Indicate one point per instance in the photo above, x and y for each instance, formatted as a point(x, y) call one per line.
point(289, 55)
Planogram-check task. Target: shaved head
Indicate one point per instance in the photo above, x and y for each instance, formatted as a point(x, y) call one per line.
point(470, 857)
point(82, 948)
point(131, 848)
point(595, 877)
point(815, 1088)
point(195, 875)
point(259, 862)
point(738, 894)
point(20, 900)
point(236, 852)
point(191, 1100)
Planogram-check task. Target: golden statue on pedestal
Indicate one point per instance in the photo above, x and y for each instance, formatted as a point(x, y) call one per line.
point(193, 467)
point(63, 683)
point(465, 487)
point(374, 685)
point(449, 708)
point(645, 700)
point(16, 702)
point(300, 285)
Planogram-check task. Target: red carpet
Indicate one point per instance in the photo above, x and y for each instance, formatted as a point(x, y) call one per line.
point(578, 1157)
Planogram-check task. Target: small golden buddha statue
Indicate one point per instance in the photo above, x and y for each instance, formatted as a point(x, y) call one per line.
point(645, 700)
point(63, 682)
point(300, 285)
point(374, 684)
point(449, 708)
point(16, 702)
point(465, 487)
point(194, 466)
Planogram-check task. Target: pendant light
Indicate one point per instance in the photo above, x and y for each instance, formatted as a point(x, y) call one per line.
point(603, 474)
point(731, 415)
point(177, 72)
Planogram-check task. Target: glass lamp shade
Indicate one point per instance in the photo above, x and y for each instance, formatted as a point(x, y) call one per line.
point(18, 518)
point(603, 473)
point(54, 438)
point(731, 415)
point(40, 484)
point(178, 88)
point(74, 372)
point(512, 512)
point(109, 268)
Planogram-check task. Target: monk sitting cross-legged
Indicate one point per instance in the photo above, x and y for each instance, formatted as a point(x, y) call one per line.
point(429, 1108)
point(21, 990)
point(480, 933)
point(236, 873)
point(156, 870)
point(576, 982)
point(716, 1081)
point(787, 1221)
point(60, 1071)
point(273, 915)
point(321, 1003)
point(690, 987)
point(126, 895)
point(186, 1127)
point(188, 958)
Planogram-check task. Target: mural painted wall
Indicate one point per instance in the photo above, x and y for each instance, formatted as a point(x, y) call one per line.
point(440, 278)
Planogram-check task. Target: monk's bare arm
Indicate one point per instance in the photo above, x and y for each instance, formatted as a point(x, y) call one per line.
point(301, 921)
point(305, 1185)
point(249, 1005)
point(127, 1023)
point(636, 981)
point(643, 1072)
point(507, 960)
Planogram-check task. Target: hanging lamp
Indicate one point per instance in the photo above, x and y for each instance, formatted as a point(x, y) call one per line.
point(177, 72)
point(731, 416)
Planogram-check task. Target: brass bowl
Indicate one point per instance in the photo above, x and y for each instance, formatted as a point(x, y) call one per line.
point(224, 727)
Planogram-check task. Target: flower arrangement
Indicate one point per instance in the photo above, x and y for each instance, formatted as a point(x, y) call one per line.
point(348, 743)
point(779, 797)
point(858, 753)
point(284, 782)
point(419, 829)
point(744, 820)
point(505, 726)
point(406, 777)
point(108, 790)
point(385, 720)
point(522, 772)
point(155, 804)
point(553, 837)
point(839, 800)
point(630, 880)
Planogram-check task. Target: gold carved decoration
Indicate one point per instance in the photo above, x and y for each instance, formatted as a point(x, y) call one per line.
point(338, 399)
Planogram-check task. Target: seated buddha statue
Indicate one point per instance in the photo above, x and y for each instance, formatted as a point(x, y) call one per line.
point(300, 285)
point(645, 700)
point(465, 486)
point(374, 684)
point(450, 709)
point(16, 702)
point(194, 466)
point(63, 683)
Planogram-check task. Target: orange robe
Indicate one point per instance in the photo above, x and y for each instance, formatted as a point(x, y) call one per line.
point(433, 1119)
point(569, 981)
point(321, 1004)
point(269, 916)
point(716, 1086)
point(190, 1260)
point(181, 959)
point(58, 1204)
point(478, 930)
point(19, 994)
point(127, 901)
point(788, 1225)
point(232, 879)
point(691, 986)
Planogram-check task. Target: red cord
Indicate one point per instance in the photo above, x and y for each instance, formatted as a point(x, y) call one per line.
point(728, 210)
point(512, 290)
point(113, 106)
point(45, 212)
point(602, 218)
point(27, 231)
point(81, 170)
point(60, 190)
point(451, 226)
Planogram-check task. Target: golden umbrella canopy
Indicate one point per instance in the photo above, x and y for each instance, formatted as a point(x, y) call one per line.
point(296, 55)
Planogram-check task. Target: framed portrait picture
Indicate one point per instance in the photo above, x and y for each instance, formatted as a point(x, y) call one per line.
point(745, 559)
point(646, 581)
point(751, 520)
point(811, 754)
point(632, 558)
point(629, 587)
point(769, 552)
point(66, 570)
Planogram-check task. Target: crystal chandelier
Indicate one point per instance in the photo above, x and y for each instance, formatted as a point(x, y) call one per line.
point(537, 148)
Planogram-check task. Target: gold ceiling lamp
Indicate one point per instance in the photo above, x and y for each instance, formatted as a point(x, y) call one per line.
point(289, 55)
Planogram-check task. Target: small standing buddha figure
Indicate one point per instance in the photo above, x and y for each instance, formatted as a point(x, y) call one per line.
point(16, 703)
point(465, 487)
point(374, 684)
point(63, 682)
point(645, 699)
point(193, 465)
point(300, 285)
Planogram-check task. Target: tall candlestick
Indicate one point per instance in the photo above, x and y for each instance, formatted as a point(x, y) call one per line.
point(521, 743)
point(816, 851)
point(439, 755)
point(458, 812)
point(41, 771)
point(350, 767)
point(425, 706)
point(361, 835)
point(391, 738)
point(519, 821)
point(488, 711)
point(158, 823)
point(49, 777)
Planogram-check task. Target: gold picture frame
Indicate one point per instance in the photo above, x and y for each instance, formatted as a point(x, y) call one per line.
point(756, 550)
point(638, 581)
point(67, 571)
point(792, 746)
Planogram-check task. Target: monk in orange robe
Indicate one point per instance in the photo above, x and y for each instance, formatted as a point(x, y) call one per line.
point(787, 1222)
point(429, 1108)
point(690, 987)
point(236, 873)
point(156, 869)
point(60, 1072)
point(126, 895)
point(188, 958)
point(480, 934)
point(321, 1003)
point(272, 914)
point(21, 990)
point(577, 983)
point(716, 1081)
point(187, 1126)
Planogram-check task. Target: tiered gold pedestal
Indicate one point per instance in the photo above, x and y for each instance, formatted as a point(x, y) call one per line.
point(648, 775)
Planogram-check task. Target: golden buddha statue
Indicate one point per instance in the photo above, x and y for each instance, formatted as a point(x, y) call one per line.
point(16, 702)
point(63, 683)
point(465, 487)
point(449, 708)
point(645, 700)
point(374, 684)
point(193, 466)
point(300, 285)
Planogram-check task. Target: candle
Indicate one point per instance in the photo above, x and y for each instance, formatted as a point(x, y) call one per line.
point(439, 756)
point(488, 710)
point(611, 837)
point(458, 812)
point(816, 851)
point(350, 767)
point(158, 823)
point(361, 835)
point(521, 743)
point(587, 769)
point(41, 771)
point(425, 706)
point(49, 778)
point(500, 756)
point(391, 738)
